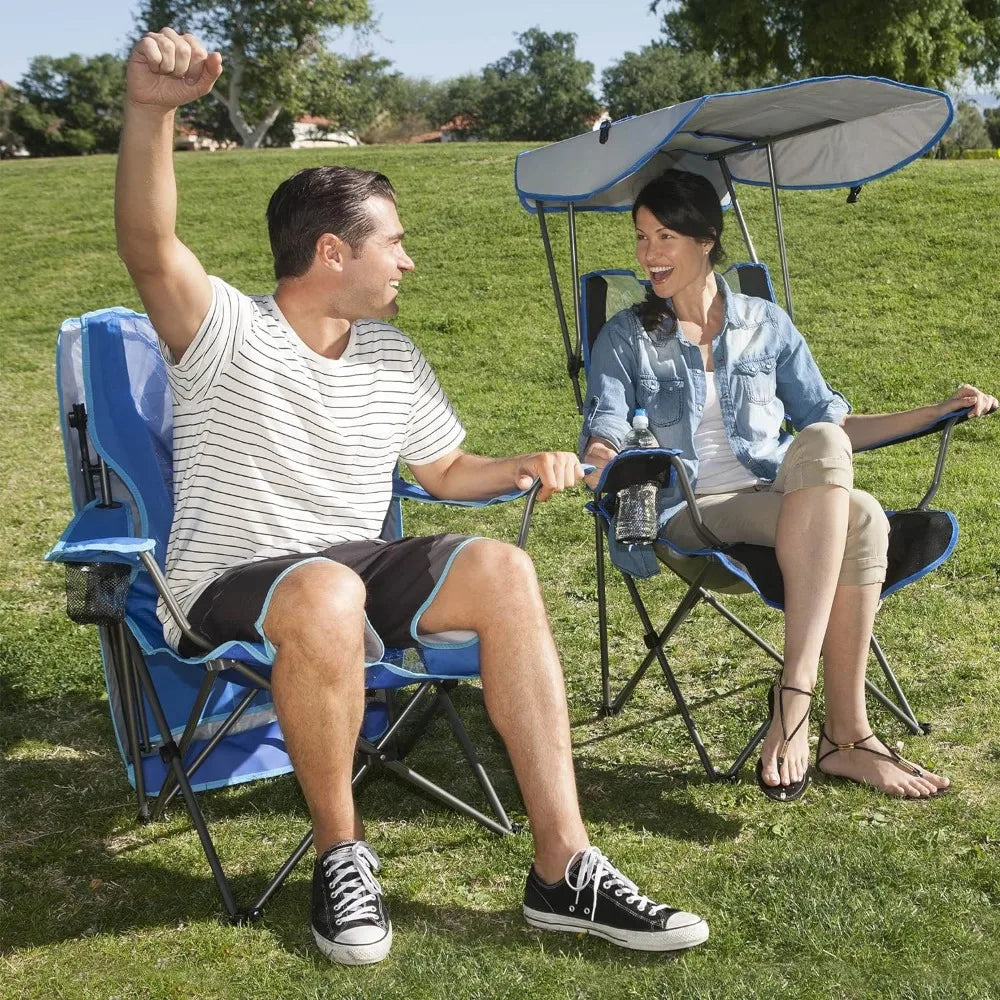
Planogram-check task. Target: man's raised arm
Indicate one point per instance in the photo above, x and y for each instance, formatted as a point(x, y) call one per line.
point(165, 71)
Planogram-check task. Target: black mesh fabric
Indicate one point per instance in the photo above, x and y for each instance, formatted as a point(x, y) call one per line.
point(917, 538)
point(96, 592)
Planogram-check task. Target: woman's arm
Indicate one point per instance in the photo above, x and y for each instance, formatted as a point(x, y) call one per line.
point(864, 430)
point(597, 453)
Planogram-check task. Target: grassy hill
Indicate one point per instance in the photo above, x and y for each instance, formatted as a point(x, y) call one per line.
point(845, 895)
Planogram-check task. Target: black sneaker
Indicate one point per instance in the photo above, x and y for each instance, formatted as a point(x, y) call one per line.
point(594, 897)
point(349, 921)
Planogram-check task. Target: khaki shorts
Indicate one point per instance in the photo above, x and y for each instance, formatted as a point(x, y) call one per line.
point(819, 456)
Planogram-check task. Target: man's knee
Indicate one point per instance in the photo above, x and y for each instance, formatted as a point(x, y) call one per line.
point(320, 596)
point(493, 565)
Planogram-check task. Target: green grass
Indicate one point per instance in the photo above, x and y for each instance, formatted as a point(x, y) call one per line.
point(845, 895)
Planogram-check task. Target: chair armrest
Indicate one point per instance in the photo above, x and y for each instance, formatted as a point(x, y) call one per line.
point(943, 426)
point(402, 490)
point(100, 534)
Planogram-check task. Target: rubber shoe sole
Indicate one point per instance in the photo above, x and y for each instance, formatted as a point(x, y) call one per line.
point(689, 932)
point(355, 954)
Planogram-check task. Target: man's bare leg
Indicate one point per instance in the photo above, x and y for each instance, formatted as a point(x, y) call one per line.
point(316, 620)
point(491, 588)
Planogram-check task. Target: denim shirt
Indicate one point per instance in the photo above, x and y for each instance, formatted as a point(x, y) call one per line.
point(764, 373)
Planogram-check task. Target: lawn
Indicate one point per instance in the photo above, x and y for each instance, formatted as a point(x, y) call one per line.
point(845, 895)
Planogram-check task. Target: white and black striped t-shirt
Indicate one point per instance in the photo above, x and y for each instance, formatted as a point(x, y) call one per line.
point(278, 449)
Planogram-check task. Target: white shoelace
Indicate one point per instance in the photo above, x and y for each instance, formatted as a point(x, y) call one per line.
point(349, 873)
point(595, 868)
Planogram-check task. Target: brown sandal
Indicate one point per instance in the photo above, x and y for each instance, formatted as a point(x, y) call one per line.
point(901, 762)
point(795, 790)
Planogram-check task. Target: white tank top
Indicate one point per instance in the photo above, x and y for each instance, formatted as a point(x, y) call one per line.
point(719, 470)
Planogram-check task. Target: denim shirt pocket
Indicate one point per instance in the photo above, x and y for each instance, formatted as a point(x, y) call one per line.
point(662, 398)
point(757, 377)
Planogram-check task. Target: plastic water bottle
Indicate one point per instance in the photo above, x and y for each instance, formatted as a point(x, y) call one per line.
point(636, 521)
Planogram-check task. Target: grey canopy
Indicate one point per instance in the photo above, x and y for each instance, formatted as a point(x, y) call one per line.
point(839, 131)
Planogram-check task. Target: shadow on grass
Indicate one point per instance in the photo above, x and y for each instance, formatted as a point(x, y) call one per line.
point(77, 863)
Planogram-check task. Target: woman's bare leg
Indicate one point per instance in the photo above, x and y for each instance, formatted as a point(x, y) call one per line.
point(845, 658)
point(812, 529)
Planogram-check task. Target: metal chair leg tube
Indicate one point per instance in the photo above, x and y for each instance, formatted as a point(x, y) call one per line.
point(132, 708)
point(904, 712)
point(602, 618)
point(473, 758)
point(169, 750)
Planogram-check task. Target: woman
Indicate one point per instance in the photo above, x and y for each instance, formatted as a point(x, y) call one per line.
point(718, 373)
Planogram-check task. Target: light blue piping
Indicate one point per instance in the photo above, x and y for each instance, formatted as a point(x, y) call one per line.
point(642, 161)
point(423, 607)
point(259, 624)
point(526, 197)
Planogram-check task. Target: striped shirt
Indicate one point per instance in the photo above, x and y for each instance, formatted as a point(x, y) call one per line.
point(278, 449)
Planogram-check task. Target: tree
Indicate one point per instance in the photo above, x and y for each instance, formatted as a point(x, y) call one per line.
point(71, 105)
point(273, 51)
point(656, 77)
point(538, 92)
point(967, 131)
point(991, 118)
point(924, 42)
point(10, 139)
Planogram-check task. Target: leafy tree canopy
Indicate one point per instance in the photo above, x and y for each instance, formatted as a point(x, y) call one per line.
point(71, 105)
point(274, 55)
point(991, 118)
point(537, 92)
point(658, 76)
point(924, 42)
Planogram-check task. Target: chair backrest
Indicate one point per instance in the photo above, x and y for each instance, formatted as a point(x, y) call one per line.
point(109, 361)
point(604, 293)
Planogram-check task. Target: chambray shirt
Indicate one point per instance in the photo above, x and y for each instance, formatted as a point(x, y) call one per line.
point(764, 372)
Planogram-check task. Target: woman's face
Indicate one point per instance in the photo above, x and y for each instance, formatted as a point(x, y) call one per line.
point(673, 262)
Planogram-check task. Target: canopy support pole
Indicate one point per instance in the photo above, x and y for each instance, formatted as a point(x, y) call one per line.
point(781, 231)
point(736, 208)
point(574, 265)
point(572, 360)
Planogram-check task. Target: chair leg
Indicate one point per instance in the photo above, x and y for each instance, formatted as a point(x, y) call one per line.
point(386, 753)
point(132, 709)
point(171, 757)
point(901, 707)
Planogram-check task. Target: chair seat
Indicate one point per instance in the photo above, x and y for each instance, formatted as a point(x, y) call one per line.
point(919, 541)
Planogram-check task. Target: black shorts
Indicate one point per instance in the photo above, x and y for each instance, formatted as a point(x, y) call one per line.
point(400, 578)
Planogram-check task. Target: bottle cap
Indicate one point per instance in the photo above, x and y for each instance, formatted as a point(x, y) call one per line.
point(640, 421)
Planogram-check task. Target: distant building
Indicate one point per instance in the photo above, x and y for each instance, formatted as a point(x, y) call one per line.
point(460, 129)
point(312, 132)
point(196, 139)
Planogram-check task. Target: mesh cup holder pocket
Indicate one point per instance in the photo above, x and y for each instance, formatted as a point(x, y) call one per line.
point(96, 592)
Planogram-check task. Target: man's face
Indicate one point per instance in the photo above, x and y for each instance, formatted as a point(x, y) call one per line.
point(379, 264)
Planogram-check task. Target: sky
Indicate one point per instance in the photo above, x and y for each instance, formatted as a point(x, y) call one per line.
point(431, 38)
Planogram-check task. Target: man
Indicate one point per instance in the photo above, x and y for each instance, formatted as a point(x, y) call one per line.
point(290, 413)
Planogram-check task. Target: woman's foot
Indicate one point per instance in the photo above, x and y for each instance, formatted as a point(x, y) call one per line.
point(783, 768)
point(868, 761)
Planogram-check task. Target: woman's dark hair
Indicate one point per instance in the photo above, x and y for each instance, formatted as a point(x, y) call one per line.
point(321, 200)
point(688, 204)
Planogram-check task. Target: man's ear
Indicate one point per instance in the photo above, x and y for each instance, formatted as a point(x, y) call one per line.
point(331, 251)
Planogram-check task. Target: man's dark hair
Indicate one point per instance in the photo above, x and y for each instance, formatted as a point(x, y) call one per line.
point(321, 200)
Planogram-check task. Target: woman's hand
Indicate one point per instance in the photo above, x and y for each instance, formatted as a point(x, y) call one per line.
point(968, 397)
point(598, 454)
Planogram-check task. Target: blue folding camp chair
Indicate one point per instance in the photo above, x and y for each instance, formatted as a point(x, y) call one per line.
point(920, 539)
point(192, 724)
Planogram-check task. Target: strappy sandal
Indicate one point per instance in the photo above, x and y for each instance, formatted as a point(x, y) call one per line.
point(793, 791)
point(901, 762)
